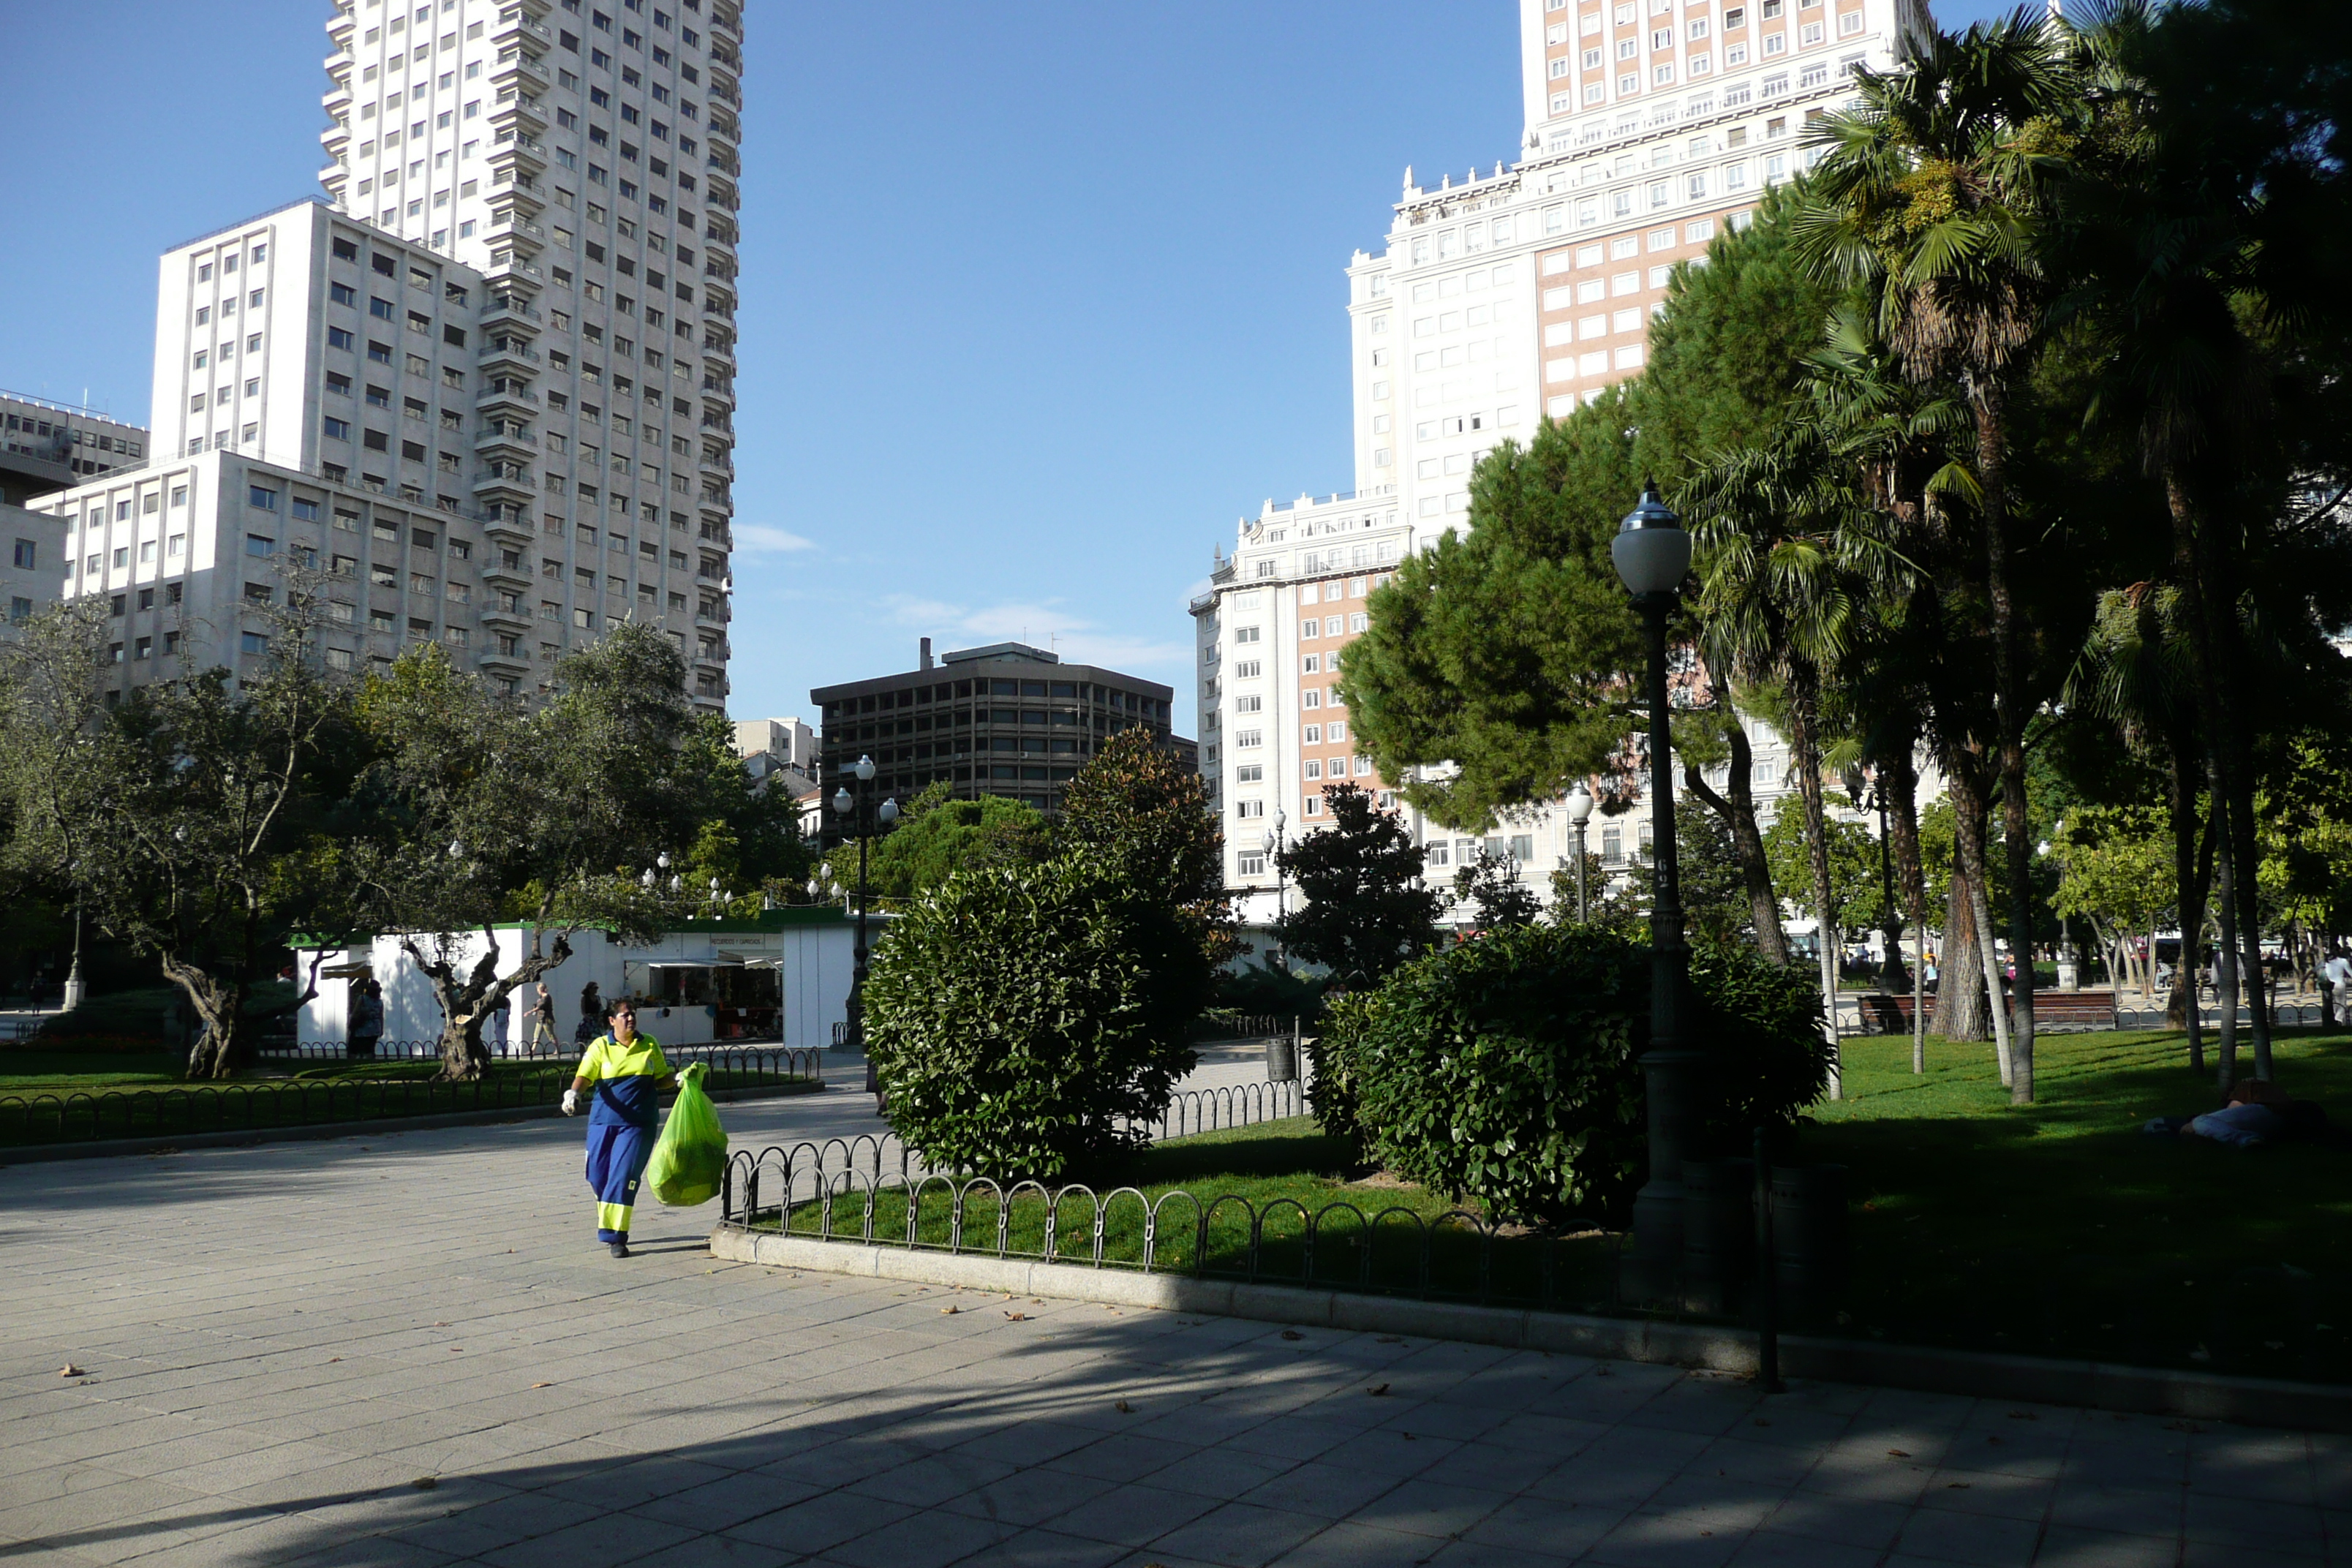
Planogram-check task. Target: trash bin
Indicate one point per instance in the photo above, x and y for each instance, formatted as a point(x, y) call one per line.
point(1282, 1058)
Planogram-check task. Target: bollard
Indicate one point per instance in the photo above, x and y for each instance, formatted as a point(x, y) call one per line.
point(1809, 1253)
point(1768, 1284)
point(1718, 1253)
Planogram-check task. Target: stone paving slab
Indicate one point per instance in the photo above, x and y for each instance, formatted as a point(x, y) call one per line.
point(407, 1351)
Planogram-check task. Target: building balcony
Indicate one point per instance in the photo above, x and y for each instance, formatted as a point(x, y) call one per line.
point(518, 231)
point(511, 313)
point(502, 353)
point(511, 72)
point(506, 396)
point(508, 269)
point(506, 439)
point(518, 153)
point(523, 112)
point(505, 482)
point(509, 525)
point(512, 29)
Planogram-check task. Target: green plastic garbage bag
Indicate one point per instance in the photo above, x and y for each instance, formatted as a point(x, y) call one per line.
point(690, 1159)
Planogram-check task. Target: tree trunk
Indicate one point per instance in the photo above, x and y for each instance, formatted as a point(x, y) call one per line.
point(1959, 987)
point(1988, 400)
point(2225, 953)
point(2191, 867)
point(1738, 815)
point(1804, 742)
point(221, 1046)
point(1901, 777)
point(2248, 862)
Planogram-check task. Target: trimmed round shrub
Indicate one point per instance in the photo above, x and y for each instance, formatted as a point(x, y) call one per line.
point(1015, 1018)
point(1506, 1069)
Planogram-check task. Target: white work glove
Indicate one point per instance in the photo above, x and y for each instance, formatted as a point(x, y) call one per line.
point(570, 1102)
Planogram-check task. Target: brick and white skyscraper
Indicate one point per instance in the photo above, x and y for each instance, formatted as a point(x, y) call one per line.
point(1499, 298)
point(489, 389)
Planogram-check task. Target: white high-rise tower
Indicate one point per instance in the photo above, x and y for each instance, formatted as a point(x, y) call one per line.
point(489, 389)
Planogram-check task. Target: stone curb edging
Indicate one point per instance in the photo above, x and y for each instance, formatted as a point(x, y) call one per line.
point(312, 1131)
point(2147, 1390)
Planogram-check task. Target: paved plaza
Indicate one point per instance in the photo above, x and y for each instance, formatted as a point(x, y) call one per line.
point(409, 1350)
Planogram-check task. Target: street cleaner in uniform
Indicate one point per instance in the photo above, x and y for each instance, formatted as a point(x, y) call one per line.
point(627, 1072)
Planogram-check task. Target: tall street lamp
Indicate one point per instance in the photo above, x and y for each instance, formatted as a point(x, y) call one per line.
point(1274, 842)
point(1652, 554)
point(1580, 811)
point(863, 817)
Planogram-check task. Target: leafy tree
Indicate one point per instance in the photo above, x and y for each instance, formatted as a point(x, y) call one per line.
point(1856, 891)
point(1491, 886)
point(190, 819)
point(1362, 907)
point(555, 818)
point(1138, 811)
point(936, 835)
point(1020, 1020)
point(2117, 874)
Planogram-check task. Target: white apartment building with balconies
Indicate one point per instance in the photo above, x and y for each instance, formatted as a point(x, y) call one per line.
point(490, 382)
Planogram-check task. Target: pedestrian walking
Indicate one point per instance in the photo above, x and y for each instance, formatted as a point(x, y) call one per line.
point(366, 1024)
point(2334, 977)
point(543, 1023)
point(626, 1071)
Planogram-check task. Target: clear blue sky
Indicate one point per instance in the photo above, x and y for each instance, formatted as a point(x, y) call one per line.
point(1038, 297)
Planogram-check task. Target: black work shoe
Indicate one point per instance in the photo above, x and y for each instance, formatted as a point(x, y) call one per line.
point(620, 1249)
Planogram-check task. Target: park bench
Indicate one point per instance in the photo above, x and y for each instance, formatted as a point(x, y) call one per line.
point(1885, 1012)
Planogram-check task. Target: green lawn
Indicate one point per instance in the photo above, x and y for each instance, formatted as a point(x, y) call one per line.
point(56, 1096)
point(2062, 1228)
point(2056, 1229)
point(1368, 1233)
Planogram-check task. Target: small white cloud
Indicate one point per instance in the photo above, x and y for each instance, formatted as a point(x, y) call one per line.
point(766, 538)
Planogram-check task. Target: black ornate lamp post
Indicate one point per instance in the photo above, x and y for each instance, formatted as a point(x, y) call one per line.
point(1652, 554)
point(1580, 811)
point(863, 818)
point(1274, 842)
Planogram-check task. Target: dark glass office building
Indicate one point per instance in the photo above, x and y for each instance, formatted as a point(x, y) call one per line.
point(1005, 720)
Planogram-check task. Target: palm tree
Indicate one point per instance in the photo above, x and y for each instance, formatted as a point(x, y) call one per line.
point(1932, 192)
point(1789, 550)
